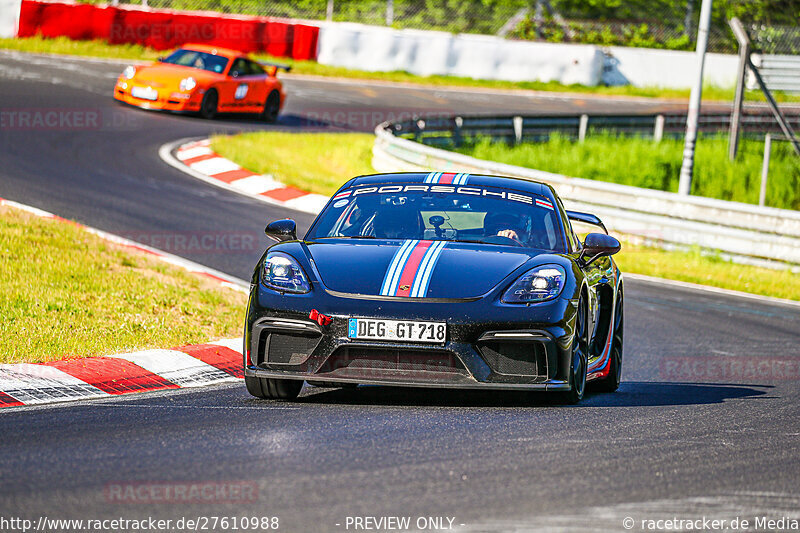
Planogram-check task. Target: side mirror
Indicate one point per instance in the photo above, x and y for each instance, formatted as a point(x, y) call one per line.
point(282, 230)
point(598, 245)
point(272, 70)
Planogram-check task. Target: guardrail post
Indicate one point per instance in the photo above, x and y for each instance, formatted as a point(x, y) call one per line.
point(584, 123)
point(738, 98)
point(517, 130)
point(419, 127)
point(457, 139)
point(658, 130)
point(762, 195)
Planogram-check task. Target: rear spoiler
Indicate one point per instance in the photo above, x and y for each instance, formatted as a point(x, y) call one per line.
point(587, 218)
point(276, 66)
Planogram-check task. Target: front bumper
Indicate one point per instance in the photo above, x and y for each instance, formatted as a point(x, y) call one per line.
point(166, 100)
point(489, 344)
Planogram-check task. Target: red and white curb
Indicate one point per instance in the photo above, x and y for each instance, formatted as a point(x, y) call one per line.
point(99, 377)
point(102, 377)
point(199, 160)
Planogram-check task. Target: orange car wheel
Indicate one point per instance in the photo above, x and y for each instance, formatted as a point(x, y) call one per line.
point(208, 107)
point(272, 107)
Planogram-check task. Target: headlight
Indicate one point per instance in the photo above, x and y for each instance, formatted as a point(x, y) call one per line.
point(536, 285)
point(187, 84)
point(129, 72)
point(282, 273)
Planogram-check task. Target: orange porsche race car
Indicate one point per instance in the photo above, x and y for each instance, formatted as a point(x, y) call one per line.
point(204, 79)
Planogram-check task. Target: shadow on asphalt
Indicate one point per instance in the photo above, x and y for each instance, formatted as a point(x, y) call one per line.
point(630, 394)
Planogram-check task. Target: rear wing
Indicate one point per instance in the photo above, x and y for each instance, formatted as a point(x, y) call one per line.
point(587, 218)
point(273, 68)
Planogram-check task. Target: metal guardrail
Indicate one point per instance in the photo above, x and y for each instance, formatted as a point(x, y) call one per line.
point(780, 72)
point(753, 234)
point(439, 131)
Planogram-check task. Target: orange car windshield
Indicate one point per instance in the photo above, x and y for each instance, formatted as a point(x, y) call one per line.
point(195, 59)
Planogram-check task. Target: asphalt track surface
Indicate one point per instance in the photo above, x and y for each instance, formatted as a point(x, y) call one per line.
point(706, 423)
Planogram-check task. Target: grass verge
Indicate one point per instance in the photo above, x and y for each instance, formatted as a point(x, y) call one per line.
point(98, 48)
point(316, 162)
point(72, 294)
point(694, 266)
point(607, 158)
point(321, 162)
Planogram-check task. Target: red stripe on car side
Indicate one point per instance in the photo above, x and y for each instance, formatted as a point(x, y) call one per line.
point(411, 267)
point(113, 375)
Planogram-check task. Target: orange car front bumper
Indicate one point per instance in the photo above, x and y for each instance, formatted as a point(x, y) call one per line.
point(149, 98)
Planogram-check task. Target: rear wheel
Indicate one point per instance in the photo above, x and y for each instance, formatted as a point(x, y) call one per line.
point(273, 389)
point(208, 106)
point(580, 357)
point(271, 107)
point(611, 382)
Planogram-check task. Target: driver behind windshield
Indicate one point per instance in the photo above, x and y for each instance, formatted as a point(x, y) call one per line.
point(505, 225)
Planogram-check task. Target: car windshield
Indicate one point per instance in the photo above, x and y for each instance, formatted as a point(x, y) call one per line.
point(195, 59)
point(468, 214)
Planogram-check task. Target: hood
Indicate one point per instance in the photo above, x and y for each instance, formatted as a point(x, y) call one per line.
point(422, 269)
point(167, 75)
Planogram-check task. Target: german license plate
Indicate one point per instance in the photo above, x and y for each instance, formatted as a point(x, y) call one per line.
point(145, 93)
point(397, 330)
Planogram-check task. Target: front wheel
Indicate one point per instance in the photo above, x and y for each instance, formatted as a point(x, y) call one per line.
point(208, 106)
point(580, 357)
point(273, 389)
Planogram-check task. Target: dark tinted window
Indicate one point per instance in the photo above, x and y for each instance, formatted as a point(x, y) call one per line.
point(199, 60)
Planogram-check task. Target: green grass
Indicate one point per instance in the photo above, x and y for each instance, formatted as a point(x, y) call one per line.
point(695, 266)
point(66, 46)
point(73, 294)
point(657, 165)
point(321, 162)
point(317, 162)
point(63, 45)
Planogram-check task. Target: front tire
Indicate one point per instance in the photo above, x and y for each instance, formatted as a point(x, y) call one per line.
point(208, 106)
point(579, 363)
point(273, 389)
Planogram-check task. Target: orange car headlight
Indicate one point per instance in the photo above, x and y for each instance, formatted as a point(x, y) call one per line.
point(129, 72)
point(187, 84)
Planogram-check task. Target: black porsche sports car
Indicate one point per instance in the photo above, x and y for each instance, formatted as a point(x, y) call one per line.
point(437, 280)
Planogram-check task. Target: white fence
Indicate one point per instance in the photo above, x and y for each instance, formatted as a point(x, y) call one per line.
point(425, 53)
point(9, 17)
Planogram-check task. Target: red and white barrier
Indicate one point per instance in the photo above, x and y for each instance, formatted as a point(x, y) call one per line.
point(164, 29)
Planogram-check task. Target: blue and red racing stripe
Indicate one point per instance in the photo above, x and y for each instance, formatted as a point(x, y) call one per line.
point(545, 203)
point(411, 268)
point(447, 178)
